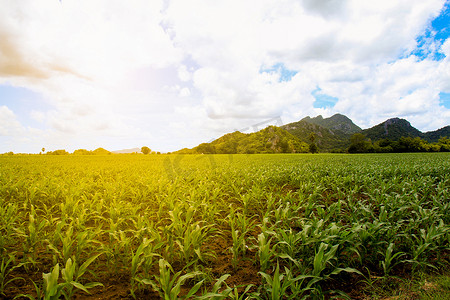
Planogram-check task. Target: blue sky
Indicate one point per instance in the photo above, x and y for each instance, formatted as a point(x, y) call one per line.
point(172, 74)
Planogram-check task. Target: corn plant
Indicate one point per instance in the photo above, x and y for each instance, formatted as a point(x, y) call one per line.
point(53, 289)
point(279, 286)
point(216, 293)
point(168, 283)
point(219, 293)
point(390, 259)
point(33, 237)
point(6, 268)
point(143, 257)
point(8, 216)
point(71, 275)
point(191, 241)
point(265, 252)
point(240, 226)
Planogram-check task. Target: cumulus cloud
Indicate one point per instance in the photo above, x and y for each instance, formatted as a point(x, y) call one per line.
point(119, 71)
point(9, 126)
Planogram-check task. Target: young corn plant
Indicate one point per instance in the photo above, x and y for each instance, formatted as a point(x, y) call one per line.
point(142, 258)
point(9, 214)
point(216, 293)
point(219, 293)
point(265, 252)
point(240, 225)
point(71, 275)
point(390, 259)
point(6, 267)
point(428, 241)
point(191, 241)
point(34, 235)
point(53, 288)
point(168, 283)
point(321, 272)
point(238, 247)
point(282, 286)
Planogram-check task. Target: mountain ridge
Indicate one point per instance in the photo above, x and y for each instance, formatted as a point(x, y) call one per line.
point(332, 134)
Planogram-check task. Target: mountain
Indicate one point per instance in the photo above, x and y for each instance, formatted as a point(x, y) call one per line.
point(392, 129)
point(434, 136)
point(268, 140)
point(331, 133)
point(124, 151)
point(326, 139)
point(335, 123)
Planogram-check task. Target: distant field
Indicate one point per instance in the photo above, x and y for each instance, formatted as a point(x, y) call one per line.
point(273, 226)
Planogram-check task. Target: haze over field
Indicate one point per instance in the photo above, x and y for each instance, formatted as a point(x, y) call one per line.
point(173, 74)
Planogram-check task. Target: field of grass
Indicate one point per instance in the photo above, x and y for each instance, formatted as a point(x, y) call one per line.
point(225, 226)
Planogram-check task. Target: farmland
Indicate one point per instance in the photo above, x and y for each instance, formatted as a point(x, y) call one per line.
point(222, 226)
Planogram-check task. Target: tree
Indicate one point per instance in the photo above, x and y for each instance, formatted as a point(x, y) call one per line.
point(145, 150)
point(82, 152)
point(444, 143)
point(101, 151)
point(359, 144)
point(58, 152)
point(313, 147)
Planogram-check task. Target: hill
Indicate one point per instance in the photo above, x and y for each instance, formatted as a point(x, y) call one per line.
point(331, 133)
point(392, 129)
point(434, 136)
point(124, 151)
point(335, 123)
point(269, 140)
point(326, 139)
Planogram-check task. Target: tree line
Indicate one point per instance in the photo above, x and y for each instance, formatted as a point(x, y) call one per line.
point(359, 143)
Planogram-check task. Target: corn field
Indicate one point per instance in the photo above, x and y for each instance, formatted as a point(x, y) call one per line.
point(294, 226)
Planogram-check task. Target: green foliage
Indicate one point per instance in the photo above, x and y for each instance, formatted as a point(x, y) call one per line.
point(145, 150)
point(359, 144)
point(101, 151)
point(269, 140)
point(6, 267)
point(82, 152)
point(307, 222)
point(168, 283)
point(57, 152)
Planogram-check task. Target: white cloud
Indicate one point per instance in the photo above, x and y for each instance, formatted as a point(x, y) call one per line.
point(9, 126)
point(117, 72)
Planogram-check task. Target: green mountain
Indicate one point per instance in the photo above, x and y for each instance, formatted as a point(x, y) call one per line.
point(392, 129)
point(269, 140)
point(331, 133)
point(434, 136)
point(335, 123)
point(326, 139)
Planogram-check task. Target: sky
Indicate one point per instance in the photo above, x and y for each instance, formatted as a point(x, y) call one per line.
point(169, 74)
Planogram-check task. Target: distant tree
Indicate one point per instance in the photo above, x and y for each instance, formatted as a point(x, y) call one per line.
point(205, 148)
point(146, 150)
point(313, 147)
point(101, 151)
point(58, 152)
point(359, 144)
point(82, 152)
point(444, 144)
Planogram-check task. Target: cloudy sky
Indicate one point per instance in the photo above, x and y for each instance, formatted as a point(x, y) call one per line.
point(174, 73)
